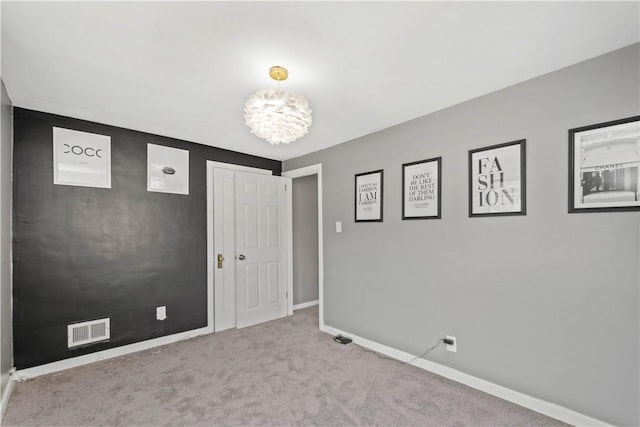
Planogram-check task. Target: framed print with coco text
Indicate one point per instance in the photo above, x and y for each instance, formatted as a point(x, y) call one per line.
point(421, 189)
point(497, 177)
point(368, 194)
point(81, 159)
point(604, 164)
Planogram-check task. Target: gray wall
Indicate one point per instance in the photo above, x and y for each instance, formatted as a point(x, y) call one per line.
point(6, 143)
point(545, 304)
point(305, 239)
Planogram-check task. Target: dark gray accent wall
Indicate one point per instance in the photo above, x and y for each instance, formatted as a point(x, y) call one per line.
point(545, 304)
point(6, 143)
point(305, 239)
point(85, 253)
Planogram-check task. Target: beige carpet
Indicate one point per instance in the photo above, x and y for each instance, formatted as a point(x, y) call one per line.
point(284, 372)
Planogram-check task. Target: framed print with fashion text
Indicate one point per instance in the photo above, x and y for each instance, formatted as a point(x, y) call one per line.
point(497, 177)
point(368, 196)
point(604, 167)
point(422, 189)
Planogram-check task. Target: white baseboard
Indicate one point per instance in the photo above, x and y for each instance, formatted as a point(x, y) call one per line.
point(24, 374)
point(542, 406)
point(7, 394)
point(305, 305)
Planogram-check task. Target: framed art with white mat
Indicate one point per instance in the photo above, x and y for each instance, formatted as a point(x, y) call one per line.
point(368, 196)
point(497, 176)
point(422, 189)
point(604, 167)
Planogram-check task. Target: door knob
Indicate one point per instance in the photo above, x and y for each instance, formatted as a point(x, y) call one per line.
point(241, 257)
point(220, 259)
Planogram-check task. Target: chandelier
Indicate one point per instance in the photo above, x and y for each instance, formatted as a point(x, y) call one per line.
point(277, 116)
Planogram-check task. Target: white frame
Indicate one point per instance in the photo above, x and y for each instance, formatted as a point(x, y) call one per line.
point(180, 158)
point(58, 132)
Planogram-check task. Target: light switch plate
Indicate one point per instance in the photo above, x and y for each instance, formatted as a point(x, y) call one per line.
point(338, 226)
point(161, 312)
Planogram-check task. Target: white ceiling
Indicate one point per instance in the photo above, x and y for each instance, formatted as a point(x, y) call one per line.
point(184, 69)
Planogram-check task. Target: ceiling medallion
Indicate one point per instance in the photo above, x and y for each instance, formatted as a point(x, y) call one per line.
point(277, 116)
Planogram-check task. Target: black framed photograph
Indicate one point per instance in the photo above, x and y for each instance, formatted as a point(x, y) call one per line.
point(422, 189)
point(604, 163)
point(497, 179)
point(368, 196)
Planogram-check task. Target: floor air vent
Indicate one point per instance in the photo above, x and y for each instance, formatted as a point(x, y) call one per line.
point(88, 332)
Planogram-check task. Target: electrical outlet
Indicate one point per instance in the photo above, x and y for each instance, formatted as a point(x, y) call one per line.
point(452, 347)
point(161, 312)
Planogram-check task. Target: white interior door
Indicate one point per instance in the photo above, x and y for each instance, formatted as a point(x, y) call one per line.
point(261, 248)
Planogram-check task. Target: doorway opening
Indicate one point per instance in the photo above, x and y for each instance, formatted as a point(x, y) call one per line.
point(306, 268)
point(305, 241)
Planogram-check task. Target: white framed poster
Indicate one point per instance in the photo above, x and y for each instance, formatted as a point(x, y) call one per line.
point(604, 167)
point(421, 189)
point(81, 158)
point(368, 197)
point(167, 169)
point(497, 179)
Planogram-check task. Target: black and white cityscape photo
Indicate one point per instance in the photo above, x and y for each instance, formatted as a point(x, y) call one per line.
point(609, 161)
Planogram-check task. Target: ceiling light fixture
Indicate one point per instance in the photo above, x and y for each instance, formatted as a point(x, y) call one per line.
point(277, 116)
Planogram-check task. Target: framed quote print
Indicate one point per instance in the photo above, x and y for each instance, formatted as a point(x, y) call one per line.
point(497, 180)
point(604, 167)
point(421, 189)
point(368, 196)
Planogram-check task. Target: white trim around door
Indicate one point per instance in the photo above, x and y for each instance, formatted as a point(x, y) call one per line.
point(299, 173)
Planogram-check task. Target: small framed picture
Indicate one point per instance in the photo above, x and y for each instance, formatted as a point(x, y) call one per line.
point(497, 177)
point(422, 189)
point(167, 169)
point(368, 196)
point(604, 167)
point(81, 159)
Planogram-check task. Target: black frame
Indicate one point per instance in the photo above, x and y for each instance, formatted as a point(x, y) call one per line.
point(355, 196)
point(572, 165)
point(438, 160)
point(523, 177)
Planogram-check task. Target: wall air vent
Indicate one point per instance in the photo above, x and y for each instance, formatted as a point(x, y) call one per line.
point(88, 332)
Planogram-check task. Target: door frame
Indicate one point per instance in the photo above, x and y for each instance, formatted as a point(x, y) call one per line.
point(299, 173)
point(211, 165)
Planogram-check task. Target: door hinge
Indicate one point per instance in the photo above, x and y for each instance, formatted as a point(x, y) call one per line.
point(286, 295)
point(285, 187)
